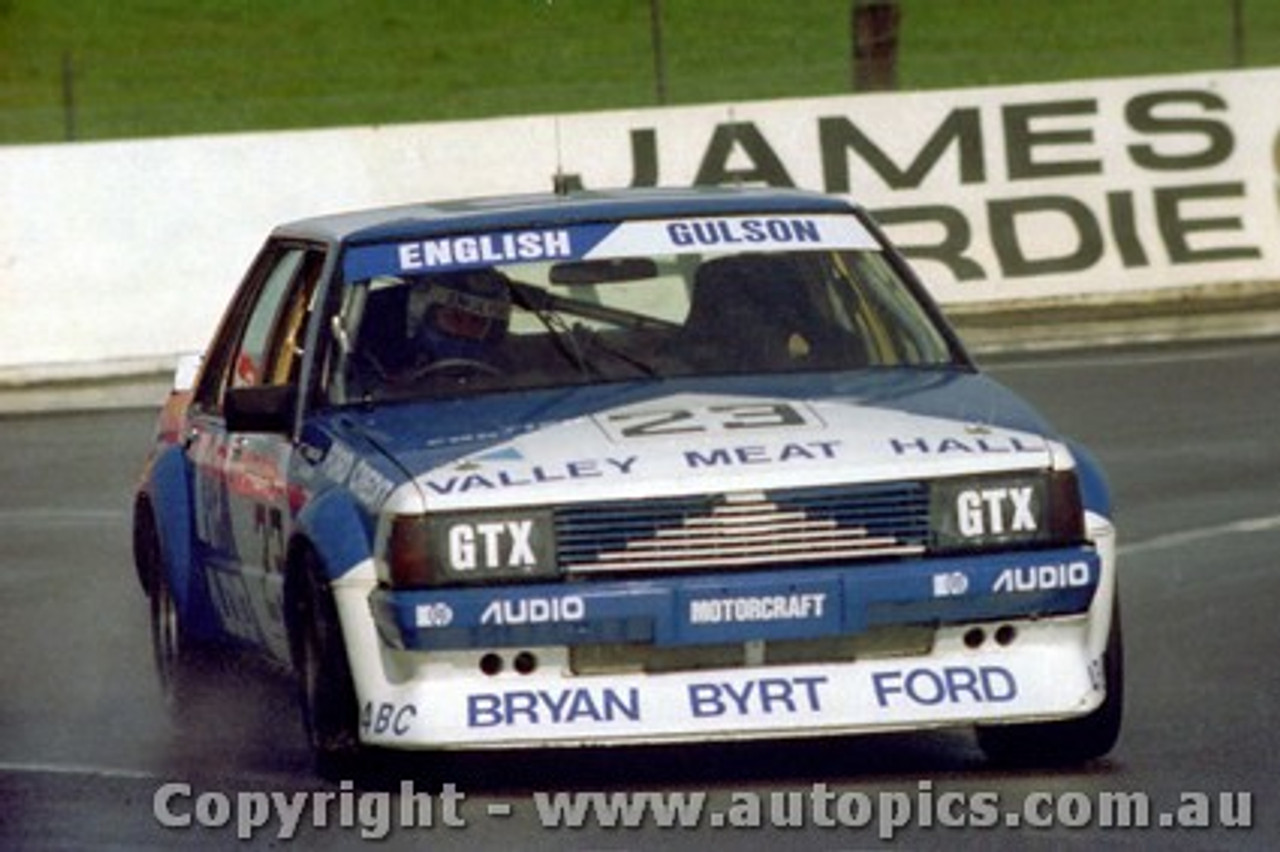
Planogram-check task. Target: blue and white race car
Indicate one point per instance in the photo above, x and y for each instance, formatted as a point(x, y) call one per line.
point(643, 466)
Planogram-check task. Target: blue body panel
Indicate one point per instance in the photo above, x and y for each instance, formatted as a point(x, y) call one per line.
point(338, 531)
point(169, 487)
point(1095, 489)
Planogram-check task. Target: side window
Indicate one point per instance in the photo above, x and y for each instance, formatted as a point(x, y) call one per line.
point(284, 345)
point(285, 356)
point(249, 366)
point(261, 340)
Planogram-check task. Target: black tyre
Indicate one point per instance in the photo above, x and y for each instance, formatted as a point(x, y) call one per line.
point(1073, 740)
point(326, 692)
point(181, 663)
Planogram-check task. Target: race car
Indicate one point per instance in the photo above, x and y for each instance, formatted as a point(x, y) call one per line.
point(623, 467)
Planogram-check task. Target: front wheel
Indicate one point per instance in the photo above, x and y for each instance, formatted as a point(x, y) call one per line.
point(326, 692)
point(1072, 740)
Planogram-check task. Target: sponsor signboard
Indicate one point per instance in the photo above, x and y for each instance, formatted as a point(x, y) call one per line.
point(1099, 188)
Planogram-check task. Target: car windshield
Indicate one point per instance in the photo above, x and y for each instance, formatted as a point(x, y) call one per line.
point(462, 326)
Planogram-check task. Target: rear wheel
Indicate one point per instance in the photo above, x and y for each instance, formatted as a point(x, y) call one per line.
point(174, 669)
point(180, 661)
point(1073, 740)
point(325, 689)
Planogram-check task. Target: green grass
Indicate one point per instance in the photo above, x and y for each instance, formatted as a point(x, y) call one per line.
point(163, 67)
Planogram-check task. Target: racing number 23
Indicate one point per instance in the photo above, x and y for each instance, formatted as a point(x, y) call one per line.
point(665, 422)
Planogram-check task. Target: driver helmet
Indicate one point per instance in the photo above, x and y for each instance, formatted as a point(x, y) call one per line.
point(462, 314)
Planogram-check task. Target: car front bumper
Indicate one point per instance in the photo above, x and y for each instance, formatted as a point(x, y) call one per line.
point(910, 644)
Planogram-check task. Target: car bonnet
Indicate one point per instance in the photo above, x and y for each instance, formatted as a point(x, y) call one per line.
point(630, 441)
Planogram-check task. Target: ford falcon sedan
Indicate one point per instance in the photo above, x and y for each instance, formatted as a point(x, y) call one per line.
point(616, 468)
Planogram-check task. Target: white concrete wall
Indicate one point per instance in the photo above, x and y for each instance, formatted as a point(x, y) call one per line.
point(115, 255)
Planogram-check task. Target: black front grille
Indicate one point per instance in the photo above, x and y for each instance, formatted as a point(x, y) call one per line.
point(782, 527)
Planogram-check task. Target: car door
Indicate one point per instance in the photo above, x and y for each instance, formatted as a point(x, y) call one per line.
point(244, 504)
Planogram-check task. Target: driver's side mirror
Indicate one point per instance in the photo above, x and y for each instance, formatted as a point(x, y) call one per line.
point(266, 408)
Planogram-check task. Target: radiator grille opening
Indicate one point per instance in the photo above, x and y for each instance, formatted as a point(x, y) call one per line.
point(746, 529)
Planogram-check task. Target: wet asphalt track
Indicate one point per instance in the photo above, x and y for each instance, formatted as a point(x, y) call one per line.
point(1188, 435)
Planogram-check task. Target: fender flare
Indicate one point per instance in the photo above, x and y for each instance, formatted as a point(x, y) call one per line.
point(336, 530)
point(331, 537)
point(166, 494)
point(1095, 489)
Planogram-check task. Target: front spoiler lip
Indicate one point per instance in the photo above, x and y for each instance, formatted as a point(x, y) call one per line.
point(780, 604)
point(1048, 674)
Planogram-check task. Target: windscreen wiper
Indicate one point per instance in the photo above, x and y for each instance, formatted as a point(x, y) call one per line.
point(538, 303)
point(598, 341)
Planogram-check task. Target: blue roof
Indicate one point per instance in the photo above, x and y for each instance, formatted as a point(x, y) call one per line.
point(541, 209)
